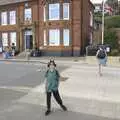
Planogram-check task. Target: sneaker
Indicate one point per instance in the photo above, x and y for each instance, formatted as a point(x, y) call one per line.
point(64, 108)
point(47, 112)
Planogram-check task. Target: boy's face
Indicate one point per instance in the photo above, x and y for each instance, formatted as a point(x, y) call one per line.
point(52, 67)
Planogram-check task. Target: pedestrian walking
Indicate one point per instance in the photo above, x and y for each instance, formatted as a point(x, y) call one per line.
point(52, 84)
point(13, 49)
point(102, 59)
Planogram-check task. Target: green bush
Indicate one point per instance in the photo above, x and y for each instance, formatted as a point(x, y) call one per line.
point(110, 38)
point(112, 22)
point(114, 52)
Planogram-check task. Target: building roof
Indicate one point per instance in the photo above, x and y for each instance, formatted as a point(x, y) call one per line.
point(6, 2)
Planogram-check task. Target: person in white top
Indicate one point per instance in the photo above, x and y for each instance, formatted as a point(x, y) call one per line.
point(102, 59)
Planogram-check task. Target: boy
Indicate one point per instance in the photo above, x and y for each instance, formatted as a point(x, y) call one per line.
point(52, 84)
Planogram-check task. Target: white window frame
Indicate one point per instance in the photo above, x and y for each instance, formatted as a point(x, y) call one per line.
point(13, 40)
point(25, 13)
point(66, 42)
point(4, 17)
point(54, 37)
point(12, 17)
point(44, 13)
point(50, 13)
point(5, 39)
point(45, 38)
point(66, 6)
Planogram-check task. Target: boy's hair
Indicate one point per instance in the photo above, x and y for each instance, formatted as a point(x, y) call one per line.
point(51, 61)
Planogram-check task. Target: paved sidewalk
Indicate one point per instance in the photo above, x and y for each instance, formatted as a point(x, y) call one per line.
point(112, 61)
point(85, 91)
point(96, 95)
point(45, 60)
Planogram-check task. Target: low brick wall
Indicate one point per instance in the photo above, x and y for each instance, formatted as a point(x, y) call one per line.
point(114, 61)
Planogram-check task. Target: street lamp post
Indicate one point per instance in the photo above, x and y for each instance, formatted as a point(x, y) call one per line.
point(103, 15)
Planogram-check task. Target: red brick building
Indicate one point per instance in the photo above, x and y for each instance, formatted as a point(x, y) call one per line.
point(57, 27)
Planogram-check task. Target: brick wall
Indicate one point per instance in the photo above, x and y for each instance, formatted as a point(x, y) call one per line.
point(78, 25)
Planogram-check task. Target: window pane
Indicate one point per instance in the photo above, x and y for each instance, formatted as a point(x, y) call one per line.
point(54, 11)
point(66, 11)
point(12, 17)
point(28, 14)
point(45, 40)
point(54, 37)
point(13, 38)
point(4, 18)
point(44, 13)
point(66, 37)
point(5, 39)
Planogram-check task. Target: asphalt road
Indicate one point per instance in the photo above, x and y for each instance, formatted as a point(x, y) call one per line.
point(16, 81)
